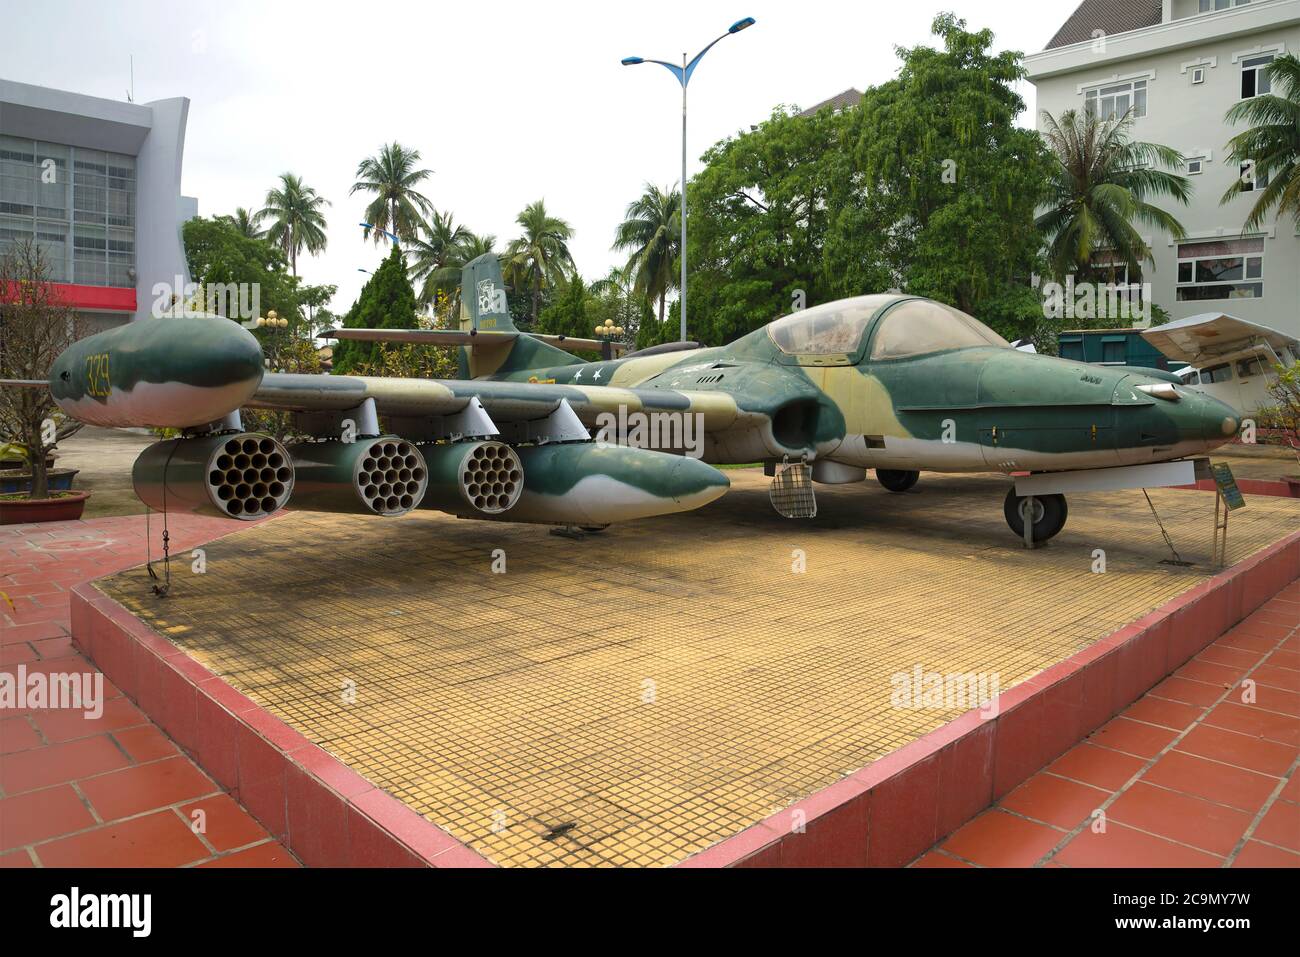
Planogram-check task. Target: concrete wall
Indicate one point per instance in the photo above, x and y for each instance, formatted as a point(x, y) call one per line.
point(1190, 118)
point(159, 248)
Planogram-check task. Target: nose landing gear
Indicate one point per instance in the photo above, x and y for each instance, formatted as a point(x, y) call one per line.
point(1046, 515)
point(897, 480)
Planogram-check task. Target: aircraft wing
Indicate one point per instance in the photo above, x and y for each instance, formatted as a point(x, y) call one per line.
point(503, 401)
point(473, 337)
point(1198, 339)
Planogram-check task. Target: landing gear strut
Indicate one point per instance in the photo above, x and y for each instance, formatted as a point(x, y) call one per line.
point(896, 480)
point(1046, 514)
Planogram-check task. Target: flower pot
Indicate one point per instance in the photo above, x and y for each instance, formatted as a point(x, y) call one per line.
point(20, 481)
point(65, 507)
point(16, 464)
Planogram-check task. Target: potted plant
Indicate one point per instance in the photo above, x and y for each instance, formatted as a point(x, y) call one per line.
point(1286, 390)
point(35, 327)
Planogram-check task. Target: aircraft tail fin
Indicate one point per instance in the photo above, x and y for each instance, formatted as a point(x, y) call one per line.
point(484, 308)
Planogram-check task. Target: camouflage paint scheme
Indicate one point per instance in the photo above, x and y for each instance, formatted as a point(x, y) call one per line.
point(972, 404)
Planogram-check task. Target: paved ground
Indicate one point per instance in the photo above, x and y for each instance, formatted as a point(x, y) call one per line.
point(638, 696)
point(113, 790)
point(105, 457)
point(1189, 776)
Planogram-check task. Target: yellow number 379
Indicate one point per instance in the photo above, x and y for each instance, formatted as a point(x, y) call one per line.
point(97, 381)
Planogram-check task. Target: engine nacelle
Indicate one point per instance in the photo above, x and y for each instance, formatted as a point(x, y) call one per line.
point(473, 479)
point(383, 476)
point(244, 476)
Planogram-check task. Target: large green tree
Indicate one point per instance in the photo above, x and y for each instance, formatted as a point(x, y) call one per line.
point(1102, 185)
point(943, 184)
point(651, 236)
point(297, 218)
point(758, 218)
point(387, 301)
point(1272, 143)
point(540, 257)
point(392, 176)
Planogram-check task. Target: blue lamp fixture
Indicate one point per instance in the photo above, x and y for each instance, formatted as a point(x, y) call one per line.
point(683, 74)
point(368, 226)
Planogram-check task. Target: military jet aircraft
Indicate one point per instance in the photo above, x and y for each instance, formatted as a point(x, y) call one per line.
point(894, 383)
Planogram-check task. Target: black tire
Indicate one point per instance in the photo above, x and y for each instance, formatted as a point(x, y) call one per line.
point(1051, 514)
point(896, 480)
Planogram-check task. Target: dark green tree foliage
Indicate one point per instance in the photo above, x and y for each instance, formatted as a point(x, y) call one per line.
point(950, 179)
point(387, 301)
point(927, 186)
point(758, 214)
point(570, 312)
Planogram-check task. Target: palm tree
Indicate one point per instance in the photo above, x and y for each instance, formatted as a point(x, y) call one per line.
point(541, 255)
point(651, 231)
point(1272, 143)
point(430, 255)
point(1099, 190)
point(245, 223)
point(297, 222)
point(392, 176)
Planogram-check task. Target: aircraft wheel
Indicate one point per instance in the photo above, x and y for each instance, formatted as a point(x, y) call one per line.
point(1050, 513)
point(896, 480)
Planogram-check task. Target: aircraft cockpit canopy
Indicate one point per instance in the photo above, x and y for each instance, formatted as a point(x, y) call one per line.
point(835, 328)
point(920, 326)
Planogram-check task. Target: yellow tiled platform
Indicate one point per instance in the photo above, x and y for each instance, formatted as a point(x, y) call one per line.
point(637, 696)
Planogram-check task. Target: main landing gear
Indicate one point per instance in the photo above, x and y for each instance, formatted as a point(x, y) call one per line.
point(896, 480)
point(1046, 514)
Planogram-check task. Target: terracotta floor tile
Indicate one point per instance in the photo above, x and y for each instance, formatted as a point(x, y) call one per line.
point(1191, 692)
point(1244, 751)
point(155, 840)
point(145, 743)
point(17, 654)
point(1132, 737)
point(16, 859)
point(1255, 854)
point(1054, 800)
point(145, 787)
point(1181, 817)
point(38, 815)
point(28, 770)
point(1122, 846)
point(1256, 721)
point(18, 734)
point(1246, 640)
point(1281, 825)
point(1201, 777)
point(935, 859)
point(69, 724)
point(269, 854)
point(1285, 659)
point(1224, 676)
point(1292, 790)
point(1236, 657)
point(1275, 677)
point(998, 839)
point(226, 824)
point(1100, 767)
point(1162, 711)
point(54, 647)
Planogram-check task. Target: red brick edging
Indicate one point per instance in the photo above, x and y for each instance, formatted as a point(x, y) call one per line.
point(898, 807)
point(326, 813)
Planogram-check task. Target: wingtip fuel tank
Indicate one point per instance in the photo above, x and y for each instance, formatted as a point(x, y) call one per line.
point(174, 373)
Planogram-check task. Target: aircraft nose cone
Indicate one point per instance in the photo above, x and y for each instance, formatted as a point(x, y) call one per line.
point(1218, 422)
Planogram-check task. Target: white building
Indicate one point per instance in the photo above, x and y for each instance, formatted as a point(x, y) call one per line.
point(98, 184)
point(1181, 64)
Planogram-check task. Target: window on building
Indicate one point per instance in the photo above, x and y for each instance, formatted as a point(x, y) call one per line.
point(1112, 350)
point(1195, 165)
point(1220, 373)
point(1221, 269)
point(1251, 178)
point(1255, 79)
point(1209, 6)
point(1072, 348)
point(1113, 101)
point(1198, 75)
point(78, 204)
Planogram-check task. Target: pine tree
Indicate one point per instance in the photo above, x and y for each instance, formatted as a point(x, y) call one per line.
point(387, 301)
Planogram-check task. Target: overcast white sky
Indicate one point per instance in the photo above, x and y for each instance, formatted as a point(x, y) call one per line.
point(507, 101)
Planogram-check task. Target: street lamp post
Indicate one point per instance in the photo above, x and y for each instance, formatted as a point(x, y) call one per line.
point(396, 241)
point(683, 74)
